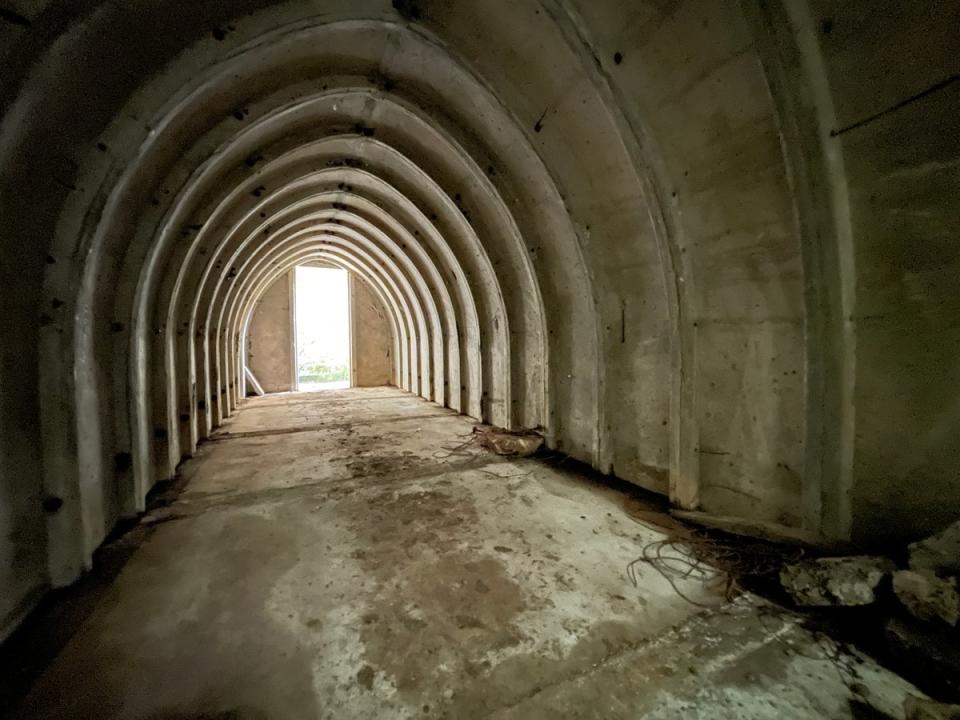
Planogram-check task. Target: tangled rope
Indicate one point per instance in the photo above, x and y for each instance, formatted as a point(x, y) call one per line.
point(715, 560)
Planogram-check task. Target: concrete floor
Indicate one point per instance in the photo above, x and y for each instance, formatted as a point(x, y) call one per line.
point(345, 555)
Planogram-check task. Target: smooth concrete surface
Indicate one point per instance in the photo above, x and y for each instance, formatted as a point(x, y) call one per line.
point(371, 347)
point(708, 247)
point(349, 554)
point(270, 338)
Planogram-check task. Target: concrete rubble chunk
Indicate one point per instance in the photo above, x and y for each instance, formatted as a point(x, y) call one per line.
point(927, 596)
point(939, 553)
point(916, 708)
point(835, 580)
point(514, 443)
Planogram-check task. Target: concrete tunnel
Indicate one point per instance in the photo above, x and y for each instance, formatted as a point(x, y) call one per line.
point(707, 248)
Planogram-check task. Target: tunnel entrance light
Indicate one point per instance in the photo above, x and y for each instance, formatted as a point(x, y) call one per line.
point(322, 319)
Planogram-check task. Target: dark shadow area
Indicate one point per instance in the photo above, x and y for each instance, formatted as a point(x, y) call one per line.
point(62, 612)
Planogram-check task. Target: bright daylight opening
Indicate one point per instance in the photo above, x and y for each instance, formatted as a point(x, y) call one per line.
point(323, 328)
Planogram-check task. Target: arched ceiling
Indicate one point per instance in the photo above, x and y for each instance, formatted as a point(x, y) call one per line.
point(581, 217)
point(515, 222)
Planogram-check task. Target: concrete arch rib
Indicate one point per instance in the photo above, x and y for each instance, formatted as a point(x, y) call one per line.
point(409, 215)
point(683, 227)
point(407, 308)
point(433, 294)
point(147, 180)
point(295, 114)
point(383, 195)
point(373, 221)
point(243, 306)
point(224, 314)
point(225, 330)
point(538, 344)
point(172, 456)
point(373, 214)
point(141, 354)
point(465, 248)
point(269, 279)
point(388, 254)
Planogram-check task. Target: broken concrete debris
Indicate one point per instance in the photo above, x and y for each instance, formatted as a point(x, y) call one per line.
point(917, 708)
point(928, 646)
point(514, 443)
point(836, 580)
point(927, 596)
point(940, 553)
point(929, 589)
point(919, 626)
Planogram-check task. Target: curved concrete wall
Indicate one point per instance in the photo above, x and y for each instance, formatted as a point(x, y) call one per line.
point(270, 334)
point(270, 346)
point(686, 239)
point(371, 350)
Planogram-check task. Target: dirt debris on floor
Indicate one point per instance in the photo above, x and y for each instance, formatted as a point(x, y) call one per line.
point(369, 562)
point(512, 443)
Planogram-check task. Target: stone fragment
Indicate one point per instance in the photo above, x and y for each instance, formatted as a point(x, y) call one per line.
point(938, 553)
point(836, 580)
point(916, 708)
point(927, 596)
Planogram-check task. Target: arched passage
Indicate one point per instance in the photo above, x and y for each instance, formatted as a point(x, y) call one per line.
point(668, 261)
point(318, 258)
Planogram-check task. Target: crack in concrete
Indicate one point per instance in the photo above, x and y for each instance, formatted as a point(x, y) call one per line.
point(946, 82)
point(652, 642)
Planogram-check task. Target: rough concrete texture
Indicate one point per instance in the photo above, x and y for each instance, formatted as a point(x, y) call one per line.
point(836, 580)
point(921, 709)
point(901, 164)
point(270, 338)
point(927, 596)
point(939, 553)
point(927, 652)
point(371, 343)
point(351, 554)
point(689, 239)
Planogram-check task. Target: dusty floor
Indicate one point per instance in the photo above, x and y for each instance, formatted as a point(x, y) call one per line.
point(344, 555)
